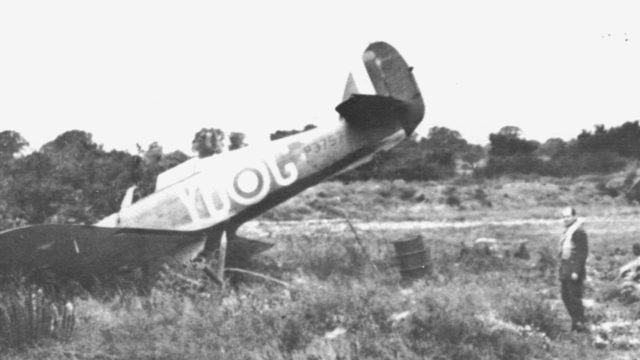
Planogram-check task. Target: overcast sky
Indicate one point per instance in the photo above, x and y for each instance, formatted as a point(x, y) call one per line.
point(141, 71)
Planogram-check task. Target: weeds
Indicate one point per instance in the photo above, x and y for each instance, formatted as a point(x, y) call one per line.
point(481, 197)
point(449, 328)
point(28, 315)
point(547, 263)
point(451, 197)
point(529, 309)
point(476, 306)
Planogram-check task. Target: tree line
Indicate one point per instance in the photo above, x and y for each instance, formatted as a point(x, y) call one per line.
point(443, 154)
point(601, 151)
point(74, 180)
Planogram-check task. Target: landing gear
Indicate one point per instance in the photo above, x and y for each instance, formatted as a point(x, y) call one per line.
point(225, 251)
point(218, 276)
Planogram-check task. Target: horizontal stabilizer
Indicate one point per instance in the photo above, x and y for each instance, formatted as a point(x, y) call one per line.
point(392, 79)
point(366, 111)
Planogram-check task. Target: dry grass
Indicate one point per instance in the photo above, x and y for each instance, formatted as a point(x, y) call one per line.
point(29, 316)
point(454, 200)
point(347, 301)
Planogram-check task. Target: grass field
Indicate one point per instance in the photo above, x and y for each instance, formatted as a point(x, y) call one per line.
point(344, 297)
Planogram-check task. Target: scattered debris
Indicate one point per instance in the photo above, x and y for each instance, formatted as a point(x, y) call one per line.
point(395, 318)
point(494, 322)
point(618, 252)
point(489, 245)
point(335, 333)
point(619, 334)
point(630, 271)
point(522, 252)
point(636, 249)
point(590, 303)
point(494, 247)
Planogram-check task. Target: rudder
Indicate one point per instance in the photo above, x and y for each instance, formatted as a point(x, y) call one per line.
point(397, 98)
point(391, 76)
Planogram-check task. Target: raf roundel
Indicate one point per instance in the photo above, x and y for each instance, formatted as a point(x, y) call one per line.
point(248, 181)
point(250, 185)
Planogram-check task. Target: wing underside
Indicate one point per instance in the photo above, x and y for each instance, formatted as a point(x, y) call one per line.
point(89, 249)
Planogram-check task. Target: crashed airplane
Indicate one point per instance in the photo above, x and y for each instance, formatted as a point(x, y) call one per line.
point(198, 205)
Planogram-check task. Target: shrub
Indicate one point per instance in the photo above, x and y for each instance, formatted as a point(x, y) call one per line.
point(603, 189)
point(481, 197)
point(626, 294)
point(515, 164)
point(451, 197)
point(546, 263)
point(449, 328)
point(529, 309)
point(481, 260)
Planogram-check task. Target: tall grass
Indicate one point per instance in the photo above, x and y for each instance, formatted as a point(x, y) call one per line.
point(346, 299)
point(28, 315)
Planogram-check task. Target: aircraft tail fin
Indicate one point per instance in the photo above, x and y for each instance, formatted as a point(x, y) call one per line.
point(398, 96)
point(350, 88)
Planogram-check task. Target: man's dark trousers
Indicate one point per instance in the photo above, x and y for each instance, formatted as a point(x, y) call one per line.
point(572, 298)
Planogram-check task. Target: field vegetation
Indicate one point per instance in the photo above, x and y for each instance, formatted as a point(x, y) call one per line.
point(330, 286)
point(343, 297)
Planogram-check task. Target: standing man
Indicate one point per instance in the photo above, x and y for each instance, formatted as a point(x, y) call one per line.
point(574, 249)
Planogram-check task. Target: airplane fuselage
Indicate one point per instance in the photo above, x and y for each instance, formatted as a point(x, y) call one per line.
point(241, 184)
point(200, 203)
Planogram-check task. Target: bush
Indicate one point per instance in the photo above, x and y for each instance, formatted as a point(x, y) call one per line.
point(449, 328)
point(528, 309)
point(451, 197)
point(547, 263)
point(580, 163)
point(481, 260)
point(570, 163)
point(481, 197)
point(516, 164)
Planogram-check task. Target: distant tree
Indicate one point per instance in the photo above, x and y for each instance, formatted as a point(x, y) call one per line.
point(32, 191)
point(510, 131)
point(284, 133)
point(552, 147)
point(89, 182)
point(208, 142)
point(236, 140)
point(443, 145)
point(153, 154)
point(628, 139)
point(154, 162)
point(115, 172)
point(623, 140)
point(510, 154)
point(429, 158)
point(507, 142)
point(472, 154)
point(73, 142)
point(442, 139)
point(173, 159)
point(150, 168)
point(11, 143)
point(72, 179)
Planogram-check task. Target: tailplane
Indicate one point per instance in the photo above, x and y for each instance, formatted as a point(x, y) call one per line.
point(398, 97)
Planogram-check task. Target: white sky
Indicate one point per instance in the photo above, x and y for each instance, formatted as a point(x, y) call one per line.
point(141, 71)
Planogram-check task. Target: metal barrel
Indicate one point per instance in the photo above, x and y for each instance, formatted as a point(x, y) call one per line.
point(413, 258)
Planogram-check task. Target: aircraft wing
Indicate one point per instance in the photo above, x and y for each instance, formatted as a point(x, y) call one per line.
point(76, 250)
